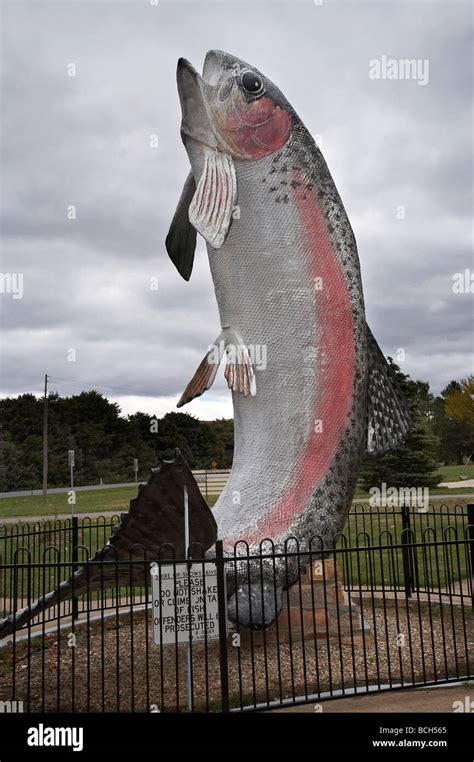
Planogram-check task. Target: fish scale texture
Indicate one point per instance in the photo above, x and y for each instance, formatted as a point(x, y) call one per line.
point(286, 479)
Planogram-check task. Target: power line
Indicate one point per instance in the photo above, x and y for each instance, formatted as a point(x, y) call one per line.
point(45, 440)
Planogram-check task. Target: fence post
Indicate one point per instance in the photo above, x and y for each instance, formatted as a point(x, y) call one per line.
point(205, 479)
point(470, 521)
point(405, 511)
point(75, 557)
point(222, 604)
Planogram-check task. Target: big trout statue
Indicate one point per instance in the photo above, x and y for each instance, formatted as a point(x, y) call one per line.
point(286, 273)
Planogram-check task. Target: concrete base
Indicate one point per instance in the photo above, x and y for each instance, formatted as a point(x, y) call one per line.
point(315, 608)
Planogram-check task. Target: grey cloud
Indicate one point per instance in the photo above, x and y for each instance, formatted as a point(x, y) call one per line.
point(85, 141)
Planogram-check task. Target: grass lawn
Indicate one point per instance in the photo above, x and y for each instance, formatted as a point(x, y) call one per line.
point(101, 500)
point(452, 473)
point(118, 499)
point(92, 501)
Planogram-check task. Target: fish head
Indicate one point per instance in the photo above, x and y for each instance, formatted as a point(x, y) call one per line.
point(232, 107)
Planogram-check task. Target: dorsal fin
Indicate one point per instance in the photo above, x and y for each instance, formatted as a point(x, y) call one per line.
point(388, 419)
point(181, 238)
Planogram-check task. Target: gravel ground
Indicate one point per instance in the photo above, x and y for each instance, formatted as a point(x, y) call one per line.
point(434, 646)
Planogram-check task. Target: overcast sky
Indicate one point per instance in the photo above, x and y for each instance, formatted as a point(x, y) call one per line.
point(85, 141)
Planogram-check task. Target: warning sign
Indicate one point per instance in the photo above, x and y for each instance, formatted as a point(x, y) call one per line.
point(185, 603)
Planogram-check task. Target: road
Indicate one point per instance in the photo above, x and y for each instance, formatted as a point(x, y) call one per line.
point(200, 476)
point(60, 490)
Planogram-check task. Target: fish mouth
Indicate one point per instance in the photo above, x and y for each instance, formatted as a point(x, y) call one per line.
point(196, 123)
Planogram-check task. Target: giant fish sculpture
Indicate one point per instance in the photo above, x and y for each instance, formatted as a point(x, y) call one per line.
point(286, 273)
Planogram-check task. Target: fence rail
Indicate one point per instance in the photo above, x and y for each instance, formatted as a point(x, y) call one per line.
point(211, 482)
point(78, 538)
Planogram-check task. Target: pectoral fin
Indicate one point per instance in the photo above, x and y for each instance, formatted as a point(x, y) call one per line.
point(211, 209)
point(181, 238)
point(388, 420)
point(205, 374)
point(239, 371)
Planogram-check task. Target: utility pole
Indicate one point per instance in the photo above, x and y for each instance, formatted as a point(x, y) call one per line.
point(45, 440)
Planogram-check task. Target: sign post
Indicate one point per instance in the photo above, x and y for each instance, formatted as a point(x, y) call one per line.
point(135, 468)
point(71, 461)
point(186, 600)
point(186, 552)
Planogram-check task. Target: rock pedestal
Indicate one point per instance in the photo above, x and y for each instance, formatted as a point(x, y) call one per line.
point(315, 608)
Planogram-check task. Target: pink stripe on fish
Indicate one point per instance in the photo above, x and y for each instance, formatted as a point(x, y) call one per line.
point(336, 362)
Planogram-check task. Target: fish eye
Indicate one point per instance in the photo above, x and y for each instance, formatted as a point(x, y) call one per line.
point(251, 82)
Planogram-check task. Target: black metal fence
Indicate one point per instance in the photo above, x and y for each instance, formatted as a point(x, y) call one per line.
point(406, 526)
point(389, 606)
point(59, 543)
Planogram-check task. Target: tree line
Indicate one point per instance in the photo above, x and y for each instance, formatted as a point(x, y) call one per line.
point(105, 442)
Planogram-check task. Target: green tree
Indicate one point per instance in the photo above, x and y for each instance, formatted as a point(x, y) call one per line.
point(223, 432)
point(453, 423)
point(104, 441)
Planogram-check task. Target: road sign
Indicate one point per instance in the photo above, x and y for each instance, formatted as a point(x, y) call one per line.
point(70, 456)
point(185, 604)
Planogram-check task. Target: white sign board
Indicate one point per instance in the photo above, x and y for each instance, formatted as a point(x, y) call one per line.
point(185, 606)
